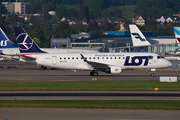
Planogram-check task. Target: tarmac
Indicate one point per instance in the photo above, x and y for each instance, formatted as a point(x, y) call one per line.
point(17, 71)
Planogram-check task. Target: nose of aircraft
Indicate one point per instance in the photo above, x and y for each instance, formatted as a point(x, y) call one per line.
point(169, 64)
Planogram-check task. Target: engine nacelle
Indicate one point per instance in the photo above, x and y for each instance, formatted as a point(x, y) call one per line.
point(15, 57)
point(114, 69)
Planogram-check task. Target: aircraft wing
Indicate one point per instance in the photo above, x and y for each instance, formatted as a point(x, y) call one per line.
point(17, 57)
point(172, 54)
point(96, 64)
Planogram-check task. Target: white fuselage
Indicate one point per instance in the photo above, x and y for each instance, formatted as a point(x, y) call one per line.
point(15, 51)
point(102, 61)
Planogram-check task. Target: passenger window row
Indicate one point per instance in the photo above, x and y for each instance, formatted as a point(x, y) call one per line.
point(61, 58)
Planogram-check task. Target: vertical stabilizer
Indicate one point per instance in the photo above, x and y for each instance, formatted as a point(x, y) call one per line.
point(26, 45)
point(177, 34)
point(5, 42)
point(137, 37)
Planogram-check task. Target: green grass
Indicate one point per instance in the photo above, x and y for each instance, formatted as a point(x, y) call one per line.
point(114, 104)
point(88, 85)
point(127, 10)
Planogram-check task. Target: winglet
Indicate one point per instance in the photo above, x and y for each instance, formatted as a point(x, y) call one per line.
point(57, 47)
point(85, 60)
point(26, 45)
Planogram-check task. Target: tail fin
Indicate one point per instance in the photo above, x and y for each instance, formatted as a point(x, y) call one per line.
point(177, 34)
point(57, 47)
point(26, 45)
point(5, 42)
point(137, 37)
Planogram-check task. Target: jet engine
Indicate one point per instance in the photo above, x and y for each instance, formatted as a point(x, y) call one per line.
point(15, 57)
point(114, 69)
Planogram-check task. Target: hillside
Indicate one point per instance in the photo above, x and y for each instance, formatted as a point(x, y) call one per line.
point(127, 10)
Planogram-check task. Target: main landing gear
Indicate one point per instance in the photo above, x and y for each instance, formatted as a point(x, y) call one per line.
point(43, 68)
point(94, 73)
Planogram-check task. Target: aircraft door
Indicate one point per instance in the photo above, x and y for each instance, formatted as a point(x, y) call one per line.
point(54, 60)
point(150, 59)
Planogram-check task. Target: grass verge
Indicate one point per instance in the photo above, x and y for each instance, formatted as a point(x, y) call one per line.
point(88, 85)
point(113, 104)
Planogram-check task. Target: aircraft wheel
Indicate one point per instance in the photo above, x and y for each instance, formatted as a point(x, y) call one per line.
point(91, 73)
point(95, 74)
point(43, 68)
point(152, 74)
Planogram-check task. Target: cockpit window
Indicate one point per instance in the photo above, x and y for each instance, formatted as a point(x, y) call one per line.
point(160, 57)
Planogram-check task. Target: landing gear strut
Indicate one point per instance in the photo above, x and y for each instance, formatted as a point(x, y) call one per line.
point(94, 73)
point(152, 74)
point(43, 68)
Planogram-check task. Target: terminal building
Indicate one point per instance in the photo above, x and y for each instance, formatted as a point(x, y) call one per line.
point(110, 42)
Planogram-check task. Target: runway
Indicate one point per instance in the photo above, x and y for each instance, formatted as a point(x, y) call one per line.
point(31, 72)
point(86, 114)
point(89, 95)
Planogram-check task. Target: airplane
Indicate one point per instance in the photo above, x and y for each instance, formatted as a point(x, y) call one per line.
point(11, 50)
point(108, 62)
point(139, 40)
point(177, 33)
point(176, 53)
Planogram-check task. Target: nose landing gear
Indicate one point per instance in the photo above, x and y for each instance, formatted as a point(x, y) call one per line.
point(152, 74)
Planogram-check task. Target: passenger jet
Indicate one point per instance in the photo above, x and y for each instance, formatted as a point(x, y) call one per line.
point(108, 62)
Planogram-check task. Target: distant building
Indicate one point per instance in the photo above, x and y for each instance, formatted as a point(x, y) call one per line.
point(168, 19)
point(69, 19)
point(52, 12)
point(138, 20)
point(16, 7)
point(162, 19)
point(110, 20)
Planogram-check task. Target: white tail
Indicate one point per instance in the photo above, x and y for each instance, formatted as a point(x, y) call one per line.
point(137, 37)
